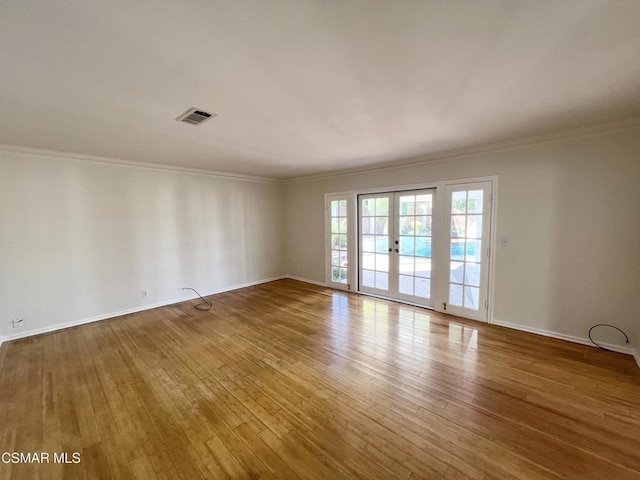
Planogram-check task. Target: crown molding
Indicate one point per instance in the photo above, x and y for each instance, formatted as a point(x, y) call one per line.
point(457, 154)
point(77, 157)
point(470, 152)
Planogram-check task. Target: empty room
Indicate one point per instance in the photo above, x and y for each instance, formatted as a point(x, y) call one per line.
point(320, 239)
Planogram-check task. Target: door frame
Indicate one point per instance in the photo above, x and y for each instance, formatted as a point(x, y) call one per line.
point(439, 186)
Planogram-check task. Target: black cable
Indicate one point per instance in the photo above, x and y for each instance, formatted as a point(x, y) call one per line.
point(200, 305)
point(605, 325)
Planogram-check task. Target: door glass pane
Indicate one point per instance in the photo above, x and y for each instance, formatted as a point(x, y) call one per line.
point(405, 285)
point(382, 262)
point(368, 261)
point(374, 241)
point(423, 267)
point(414, 227)
point(382, 281)
point(382, 244)
point(368, 278)
point(407, 246)
point(423, 246)
point(406, 265)
point(368, 225)
point(423, 287)
point(382, 207)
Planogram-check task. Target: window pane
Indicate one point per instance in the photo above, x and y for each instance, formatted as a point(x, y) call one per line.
point(343, 242)
point(343, 275)
point(457, 250)
point(382, 207)
point(334, 208)
point(367, 278)
point(423, 267)
point(458, 226)
point(474, 204)
point(382, 244)
point(343, 225)
point(458, 202)
point(335, 257)
point(406, 285)
point(335, 241)
point(471, 298)
point(406, 246)
point(455, 295)
point(474, 226)
point(472, 274)
point(474, 250)
point(456, 272)
point(335, 274)
point(335, 225)
point(423, 246)
point(344, 259)
point(342, 210)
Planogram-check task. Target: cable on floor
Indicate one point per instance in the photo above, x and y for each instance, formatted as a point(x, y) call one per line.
point(204, 305)
point(606, 325)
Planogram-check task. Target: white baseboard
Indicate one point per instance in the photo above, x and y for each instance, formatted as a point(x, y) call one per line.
point(306, 280)
point(82, 321)
point(636, 355)
point(568, 338)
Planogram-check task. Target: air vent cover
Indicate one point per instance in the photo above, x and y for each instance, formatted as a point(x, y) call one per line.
point(194, 116)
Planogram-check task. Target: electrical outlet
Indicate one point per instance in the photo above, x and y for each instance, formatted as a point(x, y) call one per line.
point(144, 293)
point(17, 322)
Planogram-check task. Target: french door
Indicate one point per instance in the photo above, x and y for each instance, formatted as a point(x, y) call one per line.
point(395, 245)
point(429, 247)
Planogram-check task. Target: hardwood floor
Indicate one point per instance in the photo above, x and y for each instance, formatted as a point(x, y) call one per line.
point(288, 380)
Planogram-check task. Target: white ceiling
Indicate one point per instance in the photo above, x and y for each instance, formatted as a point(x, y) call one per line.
point(304, 86)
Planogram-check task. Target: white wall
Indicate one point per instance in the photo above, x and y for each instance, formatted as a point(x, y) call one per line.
point(570, 209)
point(79, 239)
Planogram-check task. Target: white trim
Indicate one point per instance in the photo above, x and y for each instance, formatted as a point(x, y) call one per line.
point(307, 280)
point(568, 338)
point(94, 159)
point(636, 355)
point(417, 186)
point(97, 318)
point(628, 124)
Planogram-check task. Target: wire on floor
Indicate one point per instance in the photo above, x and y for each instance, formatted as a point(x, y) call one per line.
point(204, 305)
point(606, 325)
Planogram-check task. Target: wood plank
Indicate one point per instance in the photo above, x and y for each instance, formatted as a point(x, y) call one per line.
point(289, 380)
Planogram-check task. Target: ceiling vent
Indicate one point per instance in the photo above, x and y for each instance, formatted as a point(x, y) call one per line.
point(193, 116)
